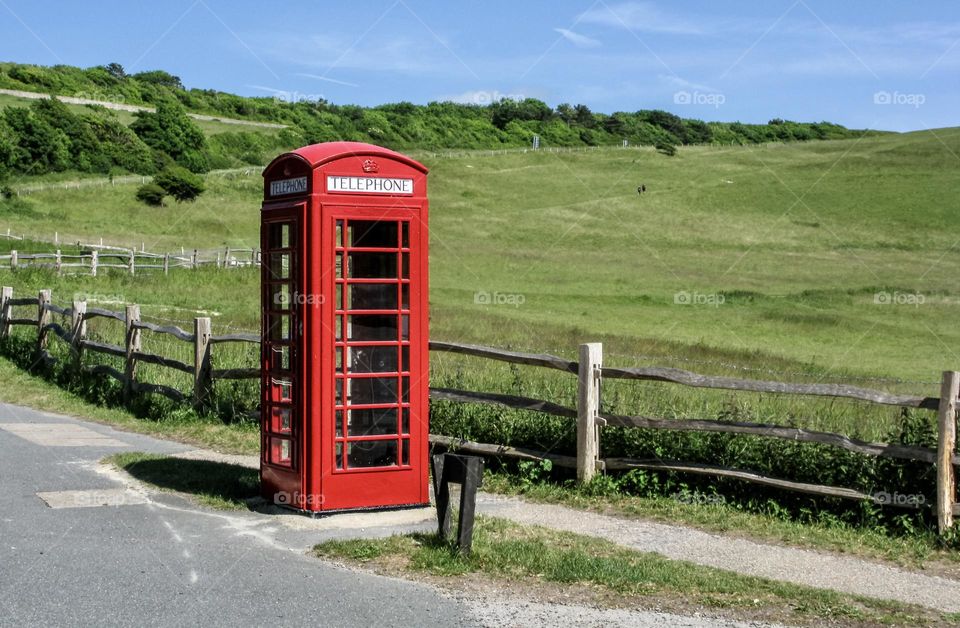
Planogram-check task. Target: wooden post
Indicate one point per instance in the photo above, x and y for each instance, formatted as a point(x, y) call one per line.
point(43, 319)
point(5, 295)
point(132, 347)
point(226, 257)
point(78, 331)
point(133, 257)
point(14, 258)
point(58, 262)
point(94, 260)
point(202, 383)
point(588, 407)
point(194, 259)
point(166, 264)
point(946, 446)
point(218, 259)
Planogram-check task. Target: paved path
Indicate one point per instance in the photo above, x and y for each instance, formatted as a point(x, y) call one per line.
point(154, 559)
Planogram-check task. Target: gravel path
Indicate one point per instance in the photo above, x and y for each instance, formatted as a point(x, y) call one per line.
point(516, 612)
point(816, 569)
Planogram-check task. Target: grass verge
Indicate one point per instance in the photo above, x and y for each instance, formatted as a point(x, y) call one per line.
point(529, 556)
point(22, 388)
point(213, 484)
point(713, 514)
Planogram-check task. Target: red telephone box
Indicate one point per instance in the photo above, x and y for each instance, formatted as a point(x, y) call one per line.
point(344, 415)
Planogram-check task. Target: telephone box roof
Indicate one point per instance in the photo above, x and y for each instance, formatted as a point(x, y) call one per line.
point(318, 154)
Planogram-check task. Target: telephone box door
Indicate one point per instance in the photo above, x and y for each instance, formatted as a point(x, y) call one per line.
point(282, 384)
point(377, 426)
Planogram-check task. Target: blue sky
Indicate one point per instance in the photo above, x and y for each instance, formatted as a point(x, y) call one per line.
point(884, 64)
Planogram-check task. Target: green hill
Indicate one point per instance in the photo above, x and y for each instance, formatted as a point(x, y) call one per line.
point(835, 256)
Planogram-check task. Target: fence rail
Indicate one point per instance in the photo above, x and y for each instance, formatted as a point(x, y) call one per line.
point(130, 261)
point(589, 371)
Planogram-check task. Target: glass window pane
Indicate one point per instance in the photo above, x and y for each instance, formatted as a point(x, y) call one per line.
point(339, 240)
point(280, 297)
point(405, 352)
point(373, 233)
point(281, 419)
point(405, 238)
point(279, 327)
point(339, 265)
point(372, 359)
point(373, 390)
point(405, 460)
point(406, 265)
point(339, 419)
point(376, 453)
point(339, 387)
point(406, 421)
point(372, 422)
point(405, 327)
point(339, 354)
point(280, 265)
point(282, 389)
point(281, 358)
point(372, 265)
point(406, 390)
point(405, 290)
point(339, 325)
point(372, 296)
point(372, 327)
point(339, 455)
point(279, 235)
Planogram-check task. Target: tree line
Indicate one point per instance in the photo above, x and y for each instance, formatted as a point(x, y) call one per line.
point(47, 136)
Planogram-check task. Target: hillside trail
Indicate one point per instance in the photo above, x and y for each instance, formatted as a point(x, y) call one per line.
point(820, 569)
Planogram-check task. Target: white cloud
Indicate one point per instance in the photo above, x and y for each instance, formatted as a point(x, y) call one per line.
point(578, 40)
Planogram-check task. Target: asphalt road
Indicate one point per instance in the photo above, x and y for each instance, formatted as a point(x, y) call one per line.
point(84, 545)
point(163, 564)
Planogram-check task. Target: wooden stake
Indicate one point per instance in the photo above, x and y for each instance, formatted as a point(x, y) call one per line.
point(588, 407)
point(202, 384)
point(132, 348)
point(946, 445)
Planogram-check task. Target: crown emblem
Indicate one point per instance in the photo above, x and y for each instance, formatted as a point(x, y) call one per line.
point(370, 165)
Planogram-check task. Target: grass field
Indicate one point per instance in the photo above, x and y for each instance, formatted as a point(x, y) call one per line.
point(782, 251)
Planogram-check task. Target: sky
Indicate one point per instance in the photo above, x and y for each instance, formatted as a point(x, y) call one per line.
point(881, 64)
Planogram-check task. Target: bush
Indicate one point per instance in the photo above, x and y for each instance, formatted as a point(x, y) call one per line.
point(666, 148)
point(151, 194)
point(180, 183)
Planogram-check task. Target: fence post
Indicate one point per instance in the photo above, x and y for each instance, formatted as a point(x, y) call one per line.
point(166, 264)
point(946, 446)
point(202, 383)
point(14, 258)
point(5, 295)
point(226, 257)
point(78, 330)
point(43, 319)
point(132, 347)
point(58, 263)
point(94, 260)
point(194, 259)
point(588, 406)
point(133, 257)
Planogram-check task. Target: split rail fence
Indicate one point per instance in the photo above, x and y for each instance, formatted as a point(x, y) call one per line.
point(588, 416)
point(129, 261)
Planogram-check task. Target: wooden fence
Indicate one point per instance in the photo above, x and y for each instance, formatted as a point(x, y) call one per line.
point(131, 352)
point(588, 416)
point(129, 261)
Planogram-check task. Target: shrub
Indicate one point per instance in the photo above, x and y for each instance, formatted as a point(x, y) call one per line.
point(666, 148)
point(180, 183)
point(151, 194)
